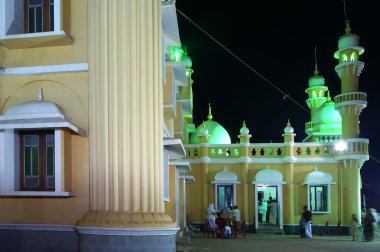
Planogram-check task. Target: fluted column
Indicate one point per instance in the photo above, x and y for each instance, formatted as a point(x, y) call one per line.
point(126, 114)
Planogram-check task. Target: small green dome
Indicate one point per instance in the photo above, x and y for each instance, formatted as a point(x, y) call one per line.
point(217, 134)
point(327, 119)
point(188, 62)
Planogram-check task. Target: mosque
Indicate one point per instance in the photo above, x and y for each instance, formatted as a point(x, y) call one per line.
point(98, 149)
point(322, 172)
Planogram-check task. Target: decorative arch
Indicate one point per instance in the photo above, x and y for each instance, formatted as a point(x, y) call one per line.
point(225, 188)
point(318, 190)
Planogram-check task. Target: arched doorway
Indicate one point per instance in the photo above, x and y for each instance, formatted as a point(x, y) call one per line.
point(268, 186)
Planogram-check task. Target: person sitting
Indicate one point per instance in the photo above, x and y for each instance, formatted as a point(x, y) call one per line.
point(227, 231)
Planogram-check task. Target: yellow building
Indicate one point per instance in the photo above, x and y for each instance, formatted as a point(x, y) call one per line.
point(92, 94)
point(95, 105)
point(322, 172)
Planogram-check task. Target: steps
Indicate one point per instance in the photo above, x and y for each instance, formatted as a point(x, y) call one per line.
point(266, 228)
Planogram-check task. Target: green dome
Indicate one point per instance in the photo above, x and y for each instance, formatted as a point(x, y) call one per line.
point(217, 134)
point(327, 119)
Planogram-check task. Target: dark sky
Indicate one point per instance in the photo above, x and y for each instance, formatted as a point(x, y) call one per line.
point(277, 39)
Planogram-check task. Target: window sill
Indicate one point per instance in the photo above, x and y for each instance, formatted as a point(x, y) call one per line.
point(326, 212)
point(38, 39)
point(36, 194)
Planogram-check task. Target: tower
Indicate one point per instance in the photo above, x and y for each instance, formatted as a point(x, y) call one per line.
point(350, 103)
point(316, 97)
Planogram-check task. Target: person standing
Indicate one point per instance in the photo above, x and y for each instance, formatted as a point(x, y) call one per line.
point(354, 227)
point(273, 213)
point(226, 213)
point(236, 218)
point(211, 217)
point(306, 223)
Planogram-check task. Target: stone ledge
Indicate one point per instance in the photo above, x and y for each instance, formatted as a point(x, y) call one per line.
point(111, 219)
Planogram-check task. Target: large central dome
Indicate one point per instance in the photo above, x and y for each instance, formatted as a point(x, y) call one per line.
point(327, 118)
point(217, 133)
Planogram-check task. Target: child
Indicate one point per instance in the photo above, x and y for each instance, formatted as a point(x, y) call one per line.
point(354, 227)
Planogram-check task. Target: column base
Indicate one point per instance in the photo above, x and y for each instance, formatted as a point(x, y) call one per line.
point(135, 231)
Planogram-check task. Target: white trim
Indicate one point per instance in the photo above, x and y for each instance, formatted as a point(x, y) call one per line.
point(254, 160)
point(328, 198)
point(41, 227)
point(127, 231)
point(41, 125)
point(58, 135)
point(57, 15)
point(216, 192)
point(279, 204)
point(181, 166)
point(49, 69)
point(37, 193)
point(176, 196)
point(225, 182)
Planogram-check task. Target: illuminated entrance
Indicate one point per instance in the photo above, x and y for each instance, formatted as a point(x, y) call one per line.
point(268, 198)
point(266, 195)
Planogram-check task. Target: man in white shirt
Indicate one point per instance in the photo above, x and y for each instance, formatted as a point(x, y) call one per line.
point(237, 222)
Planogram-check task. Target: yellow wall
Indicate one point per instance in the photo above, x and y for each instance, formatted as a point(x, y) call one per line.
point(170, 206)
point(197, 213)
point(70, 93)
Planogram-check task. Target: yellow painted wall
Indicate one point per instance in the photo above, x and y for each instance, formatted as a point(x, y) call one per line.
point(170, 206)
point(197, 213)
point(181, 217)
point(70, 93)
point(75, 53)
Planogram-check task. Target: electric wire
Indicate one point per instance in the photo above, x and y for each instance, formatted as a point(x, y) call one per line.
point(285, 95)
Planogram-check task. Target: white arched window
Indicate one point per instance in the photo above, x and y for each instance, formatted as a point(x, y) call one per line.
point(225, 189)
point(31, 142)
point(318, 188)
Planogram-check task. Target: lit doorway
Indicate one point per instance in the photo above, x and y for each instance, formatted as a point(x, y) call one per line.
point(266, 195)
point(268, 181)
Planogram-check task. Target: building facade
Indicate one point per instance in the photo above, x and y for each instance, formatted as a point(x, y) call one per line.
point(322, 172)
point(92, 94)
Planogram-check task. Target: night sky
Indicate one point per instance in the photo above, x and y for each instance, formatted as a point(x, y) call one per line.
point(277, 39)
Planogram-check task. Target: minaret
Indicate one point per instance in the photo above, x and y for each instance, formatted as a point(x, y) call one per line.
point(350, 103)
point(316, 93)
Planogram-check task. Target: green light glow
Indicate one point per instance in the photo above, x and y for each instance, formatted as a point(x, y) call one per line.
point(345, 59)
point(353, 56)
point(176, 54)
point(217, 134)
point(314, 94)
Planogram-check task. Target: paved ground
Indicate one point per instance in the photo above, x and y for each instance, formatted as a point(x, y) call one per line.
point(281, 243)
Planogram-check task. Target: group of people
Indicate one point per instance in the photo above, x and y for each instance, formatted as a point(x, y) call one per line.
point(223, 220)
point(268, 211)
point(370, 221)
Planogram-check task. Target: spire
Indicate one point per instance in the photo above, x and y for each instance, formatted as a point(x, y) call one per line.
point(316, 72)
point(328, 96)
point(209, 112)
point(348, 27)
point(244, 125)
